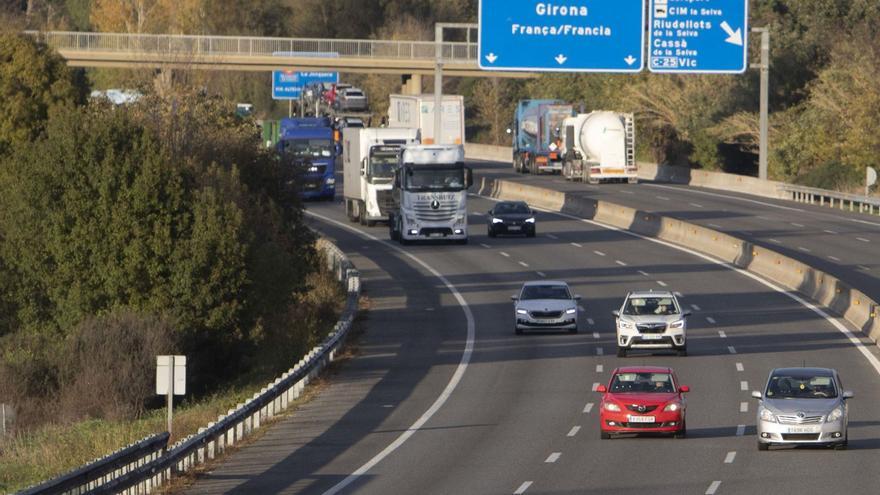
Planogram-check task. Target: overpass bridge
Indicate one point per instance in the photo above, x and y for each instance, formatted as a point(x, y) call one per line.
point(246, 53)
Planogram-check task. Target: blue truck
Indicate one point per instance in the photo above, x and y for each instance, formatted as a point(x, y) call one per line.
point(537, 129)
point(311, 144)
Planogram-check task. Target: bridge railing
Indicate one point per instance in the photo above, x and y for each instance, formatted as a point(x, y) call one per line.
point(253, 46)
point(833, 199)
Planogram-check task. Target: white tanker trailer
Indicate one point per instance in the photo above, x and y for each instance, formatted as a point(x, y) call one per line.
point(599, 146)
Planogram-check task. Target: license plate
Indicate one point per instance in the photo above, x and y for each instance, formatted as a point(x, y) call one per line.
point(436, 234)
point(803, 429)
point(545, 322)
point(640, 419)
point(651, 336)
point(514, 228)
point(613, 171)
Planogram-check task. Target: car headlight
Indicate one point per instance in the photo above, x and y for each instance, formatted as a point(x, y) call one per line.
point(677, 324)
point(530, 220)
point(497, 220)
point(610, 406)
point(672, 406)
point(521, 312)
point(626, 325)
point(571, 311)
point(766, 415)
point(834, 415)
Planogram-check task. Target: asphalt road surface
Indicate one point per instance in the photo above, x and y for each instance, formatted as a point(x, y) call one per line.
point(444, 398)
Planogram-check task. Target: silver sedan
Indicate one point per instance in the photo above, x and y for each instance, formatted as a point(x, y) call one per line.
point(545, 305)
point(802, 406)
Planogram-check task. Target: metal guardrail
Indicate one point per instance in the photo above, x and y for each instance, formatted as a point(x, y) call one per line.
point(833, 199)
point(225, 46)
point(156, 466)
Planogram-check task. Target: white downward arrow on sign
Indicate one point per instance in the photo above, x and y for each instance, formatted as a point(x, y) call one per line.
point(630, 60)
point(733, 37)
point(491, 58)
point(561, 59)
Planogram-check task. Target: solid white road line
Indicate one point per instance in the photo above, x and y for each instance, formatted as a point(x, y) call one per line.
point(599, 253)
point(740, 430)
point(710, 320)
point(730, 457)
point(866, 268)
point(722, 334)
point(745, 200)
point(600, 368)
point(775, 241)
point(453, 381)
point(553, 457)
point(713, 488)
point(577, 245)
point(731, 349)
point(804, 249)
point(621, 263)
point(695, 307)
point(864, 222)
point(740, 367)
point(743, 385)
point(863, 239)
point(715, 226)
point(834, 258)
point(661, 283)
point(588, 407)
point(574, 431)
point(522, 488)
point(743, 407)
point(595, 386)
point(502, 253)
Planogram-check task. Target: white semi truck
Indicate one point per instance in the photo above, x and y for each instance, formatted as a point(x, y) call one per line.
point(418, 112)
point(599, 146)
point(369, 159)
point(430, 193)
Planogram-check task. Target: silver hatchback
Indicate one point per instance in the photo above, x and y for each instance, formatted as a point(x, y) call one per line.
point(549, 305)
point(802, 406)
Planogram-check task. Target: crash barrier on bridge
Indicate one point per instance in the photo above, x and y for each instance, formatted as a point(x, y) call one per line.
point(206, 46)
point(717, 180)
point(148, 464)
point(828, 291)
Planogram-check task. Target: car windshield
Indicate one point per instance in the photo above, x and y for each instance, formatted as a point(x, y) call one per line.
point(447, 178)
point(646, 306)
point(511, 208)
point(545, 292)
point(640, 383)
point(801, 386)
point(356, 94)
point(309, 148)
point(383, 164)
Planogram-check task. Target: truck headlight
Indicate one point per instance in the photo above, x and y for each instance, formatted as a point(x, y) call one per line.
point(834, 415)
point(530, 220)
point(521, 312)
point(571, 311)
point(497, 220)
point(626, 325)
point(677, 324)
point(766, 415)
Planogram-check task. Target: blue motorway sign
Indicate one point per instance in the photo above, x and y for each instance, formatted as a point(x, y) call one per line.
point(568, 36)
point(709, 36)
point(288, 84)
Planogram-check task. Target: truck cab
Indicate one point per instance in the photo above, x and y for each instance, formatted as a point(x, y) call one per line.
point(430, 195)
point(309, 144)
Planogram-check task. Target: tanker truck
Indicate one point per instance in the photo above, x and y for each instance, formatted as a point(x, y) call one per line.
point(599, 146)
point(536, 128)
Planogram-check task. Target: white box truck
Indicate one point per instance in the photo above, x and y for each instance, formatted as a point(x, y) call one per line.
point(369, 158)
point(430, 194)
point(418, 112)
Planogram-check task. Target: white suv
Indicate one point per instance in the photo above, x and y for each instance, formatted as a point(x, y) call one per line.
point(651, 320)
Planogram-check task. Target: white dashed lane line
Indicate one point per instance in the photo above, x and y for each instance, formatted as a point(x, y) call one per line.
point(834, 258)
point(695, 307)
point(644, 273)
point(696, 205)
point(801, 248)
point(710, 320)
point(775, 241)
point(595, 386)
point(502, 253)
point(798, 225)
point(678, 294)
point(740, 367)
point(831, 232)
point(600, 368)
point(740, 430)
point(551, 236)
point(599, 253)
point(596, 335)
point(574, 431)
point(722, 334)
point(589, 406)
point(577, 245)
point(863, 239)
point(743, 385)
point(731, 349)
point(713, 488)
point(730, 457)
point(524, 264)
point(621, 263)
point(553, 457)
point(522, 488)
point(590, 321)
point(600, 351)
point(541, 274)
point(743, 407)
point(661, 283)
point(486, 246)
point(715, 226)
point(663, 198)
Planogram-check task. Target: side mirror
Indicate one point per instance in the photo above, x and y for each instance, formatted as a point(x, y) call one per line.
point(602, 389)
point(364, 167)
point(687, 314)
point(616, 313)
point(848, 394)
point(577, 297)
point(756, 395)
point(684, 389)
point(514, 298)
point(491, 212)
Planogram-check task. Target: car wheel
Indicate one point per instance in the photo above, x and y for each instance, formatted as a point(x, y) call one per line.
point(531, 234)
point(844, 444)
point(371, 223)
point(518, 330)
point(621, 352)
point(683, 352)
point(573, 330)
point(763, 446)
point(604, 435)
point(491, 232)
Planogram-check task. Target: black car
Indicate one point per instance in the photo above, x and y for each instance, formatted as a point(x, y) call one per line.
point(511, 217)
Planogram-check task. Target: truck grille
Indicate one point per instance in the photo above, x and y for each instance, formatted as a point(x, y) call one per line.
point(546, 314)
point(445, 213)
point(385, 201)
point(651, 327)
point(794, 420)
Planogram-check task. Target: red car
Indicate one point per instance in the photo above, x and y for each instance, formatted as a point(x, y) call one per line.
point(643, 399)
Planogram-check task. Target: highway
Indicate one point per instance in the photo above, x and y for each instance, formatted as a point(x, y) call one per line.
point(442, 397)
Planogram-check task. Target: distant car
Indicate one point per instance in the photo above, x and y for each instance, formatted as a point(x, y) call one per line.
point(642, 399)
point(651, 320)
point(352, 100)
point(511, 217)
point(545, 305)
point(351, 122)
point(803, 406)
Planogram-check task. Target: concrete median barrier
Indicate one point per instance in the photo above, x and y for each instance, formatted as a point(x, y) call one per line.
point(816, 285)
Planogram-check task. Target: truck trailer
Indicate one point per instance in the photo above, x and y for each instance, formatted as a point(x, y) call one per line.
point(430, 195)
point(369, 158)
point(537, 126)
point(600, 146)
point(417, 112)
point(308, 143)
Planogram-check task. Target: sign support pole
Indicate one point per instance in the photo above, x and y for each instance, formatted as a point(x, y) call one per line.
point(764, 66)
point(170, 396)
